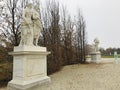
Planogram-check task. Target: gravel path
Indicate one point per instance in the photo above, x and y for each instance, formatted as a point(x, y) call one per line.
point(104, 76)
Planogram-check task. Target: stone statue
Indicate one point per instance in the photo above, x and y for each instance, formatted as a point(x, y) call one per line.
point(96, 54)
point(27, 26)
point(37, 26)
point(30, 25)
point(96, 48)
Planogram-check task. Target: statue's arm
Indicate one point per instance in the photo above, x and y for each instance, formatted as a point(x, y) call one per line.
point(24, 16)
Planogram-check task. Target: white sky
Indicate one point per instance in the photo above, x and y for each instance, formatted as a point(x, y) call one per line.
point(102, 19)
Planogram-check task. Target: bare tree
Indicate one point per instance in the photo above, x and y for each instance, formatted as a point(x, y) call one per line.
point(64, 30)
point(13, 12)
point(51, 34)
point(68, 37)
point(80, 37)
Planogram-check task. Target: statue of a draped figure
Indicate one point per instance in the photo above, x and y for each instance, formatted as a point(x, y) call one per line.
point(30, 26)
point(27, 26)
point(96, 48)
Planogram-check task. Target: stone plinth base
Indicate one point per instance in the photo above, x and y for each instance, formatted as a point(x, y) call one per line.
point(96, 57)
point(29, 67)
point(24, 85)
point(88, 58)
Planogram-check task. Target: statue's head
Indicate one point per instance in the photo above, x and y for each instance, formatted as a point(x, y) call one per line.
point(29, 5)
point(36, 7)
point(96, 41)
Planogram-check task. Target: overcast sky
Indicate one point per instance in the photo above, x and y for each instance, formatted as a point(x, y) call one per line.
point(102, 19)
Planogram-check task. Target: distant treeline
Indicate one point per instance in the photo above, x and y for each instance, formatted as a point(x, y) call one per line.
point(109, 51)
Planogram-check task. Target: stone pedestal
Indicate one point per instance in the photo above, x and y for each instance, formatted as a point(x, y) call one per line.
point(96, 57)
point(29, 67)
point(88, 58)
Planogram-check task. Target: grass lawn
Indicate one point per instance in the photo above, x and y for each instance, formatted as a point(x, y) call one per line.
point(110, 56)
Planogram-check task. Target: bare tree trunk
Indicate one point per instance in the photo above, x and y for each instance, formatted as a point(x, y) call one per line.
point(81, 37)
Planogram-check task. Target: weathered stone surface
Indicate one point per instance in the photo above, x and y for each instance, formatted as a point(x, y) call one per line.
point(29, 67)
